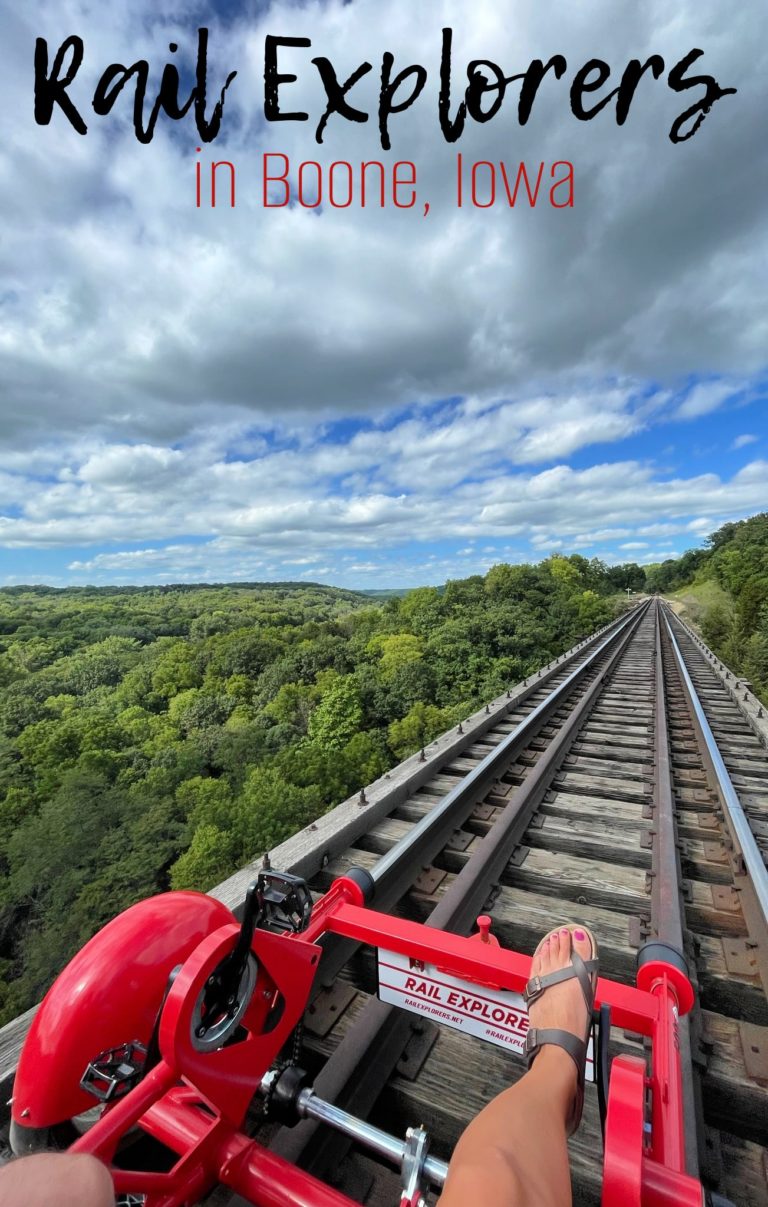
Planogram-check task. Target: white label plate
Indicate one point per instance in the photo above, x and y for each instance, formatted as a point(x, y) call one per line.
point(495, 1015)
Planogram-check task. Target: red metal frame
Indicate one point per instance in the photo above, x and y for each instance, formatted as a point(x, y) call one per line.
point(195, 1102)
point(111, 989)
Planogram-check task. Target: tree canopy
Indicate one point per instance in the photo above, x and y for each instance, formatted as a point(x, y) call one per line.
point(161, 737)
point(736, 628)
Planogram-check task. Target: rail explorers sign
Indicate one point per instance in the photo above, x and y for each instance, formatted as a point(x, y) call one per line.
point(496, 1015)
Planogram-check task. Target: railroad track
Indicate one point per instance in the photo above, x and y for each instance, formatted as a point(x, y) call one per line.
point(623, 787)
point(600, 804)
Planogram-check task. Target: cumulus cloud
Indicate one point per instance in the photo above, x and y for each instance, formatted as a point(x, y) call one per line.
point(417, 479)
point(743, 441)
point(130, 309)
point(175, 377)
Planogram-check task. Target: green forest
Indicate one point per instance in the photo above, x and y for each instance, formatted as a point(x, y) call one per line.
point(161, 737)
point(155, 738)
point(725, 589)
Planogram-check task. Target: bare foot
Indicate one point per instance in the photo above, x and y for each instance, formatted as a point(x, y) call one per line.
point(561, 1006)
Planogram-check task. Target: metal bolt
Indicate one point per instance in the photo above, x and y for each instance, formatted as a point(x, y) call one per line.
point(459, 728)
point(362, 799)
point(487, 709)
point(265, 864)
point(200, 1032)
point(422, 756)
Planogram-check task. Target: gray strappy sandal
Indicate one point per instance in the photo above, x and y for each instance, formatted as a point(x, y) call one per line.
point(585, 971)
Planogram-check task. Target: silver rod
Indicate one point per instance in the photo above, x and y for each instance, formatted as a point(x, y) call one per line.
point(309, 1106)
point(758, 873)
point(433, 819)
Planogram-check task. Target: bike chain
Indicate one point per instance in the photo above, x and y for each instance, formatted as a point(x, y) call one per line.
point(282, 1065)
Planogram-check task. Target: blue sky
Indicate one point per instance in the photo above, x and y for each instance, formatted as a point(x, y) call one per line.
point(369, 397)
point(367, 514)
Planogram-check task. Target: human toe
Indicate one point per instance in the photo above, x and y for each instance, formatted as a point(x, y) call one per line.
point(554, 948)
point(582, 942)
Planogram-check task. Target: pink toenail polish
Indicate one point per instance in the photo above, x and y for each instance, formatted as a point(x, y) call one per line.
point(579, 934)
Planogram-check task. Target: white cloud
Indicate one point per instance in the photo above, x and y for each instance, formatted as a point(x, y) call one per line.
point(285, 502)
point(743, 441)
point(128, 311)
point(171, 374)
point(707, 396)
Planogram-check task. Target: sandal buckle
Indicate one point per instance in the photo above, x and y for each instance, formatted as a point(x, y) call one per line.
point(532, 989)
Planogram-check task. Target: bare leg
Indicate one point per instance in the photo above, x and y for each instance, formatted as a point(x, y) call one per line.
point(74, 1180)
point(514, 1154)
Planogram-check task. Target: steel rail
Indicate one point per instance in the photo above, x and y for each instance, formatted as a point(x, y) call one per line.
point(429, 834)
point(352, 1076)
point(753, 860)
point(460, 904)
point(394, 873)
point(667, 917)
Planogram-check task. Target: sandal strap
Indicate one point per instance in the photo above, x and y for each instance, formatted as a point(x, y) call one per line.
point(576, 1048)
point(579, 968)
